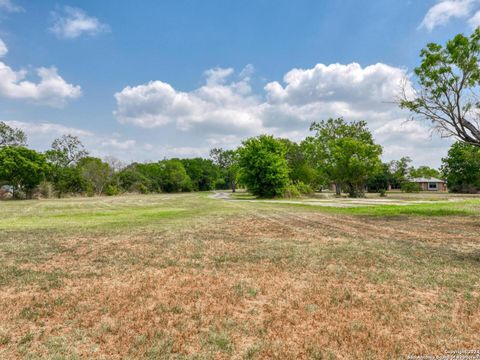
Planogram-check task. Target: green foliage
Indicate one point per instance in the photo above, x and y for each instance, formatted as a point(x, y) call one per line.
point(95, 172)
point(10, 136)
point(263, 167)
point(141, 188)
point(410, 187)
point(174, 177)
point(462, 168)
point(425, 172)
point(380, 180)
point(66, 150)
point(66, 180)
point(167, 176)
point(22, 168)
point(400, 171)
point(291, 191)
point(300, 170)
point(150, 175)
point(303, 188)
point(344, 152)
point(448, 77)
point(132, 179)
point(45, 189)
point(227, 162)
point(202, 172)
point(111, 190)
point(297, 189)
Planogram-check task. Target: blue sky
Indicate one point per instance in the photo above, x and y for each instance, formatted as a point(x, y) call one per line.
point(153, 79)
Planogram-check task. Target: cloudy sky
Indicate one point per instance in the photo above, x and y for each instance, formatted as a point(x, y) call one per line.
point(152, 79)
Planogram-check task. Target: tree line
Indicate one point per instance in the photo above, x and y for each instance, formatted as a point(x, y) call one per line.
point(337, 152)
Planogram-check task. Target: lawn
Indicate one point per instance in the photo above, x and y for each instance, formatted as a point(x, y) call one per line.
point(187, 276)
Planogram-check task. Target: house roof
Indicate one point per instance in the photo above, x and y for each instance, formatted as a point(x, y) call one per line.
point(424, 180)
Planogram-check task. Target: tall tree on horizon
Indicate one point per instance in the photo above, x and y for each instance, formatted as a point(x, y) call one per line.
point(448, 92)
point(10, 136)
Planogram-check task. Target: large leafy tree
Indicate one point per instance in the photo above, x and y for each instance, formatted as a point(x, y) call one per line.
point(300, 170)
point(10, 136)
point(227, 161)
point(67, 180)
point(380, 180)
point(153, 172)
point(400, 171)
point(95, 172)
point(263, 167)
point(461, 168)
point(449, 79)
point(425, 172)
point(22, 168)
point(131, 179)
point(174, 177)
point(66, 150)
point(345, 152)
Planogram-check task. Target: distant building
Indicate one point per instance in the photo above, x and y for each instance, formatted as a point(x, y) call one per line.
point(6, 191)
point(430, 184)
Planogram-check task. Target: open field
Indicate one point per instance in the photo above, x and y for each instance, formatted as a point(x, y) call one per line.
point(188, 276)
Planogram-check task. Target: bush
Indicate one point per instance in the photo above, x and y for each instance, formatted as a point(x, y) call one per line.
point(382, 192)
point(19, 195)
point(140, 187)
point(45, 189)
point(291, 191)
point(410, 187)
point(303, 188)
point(112, 190)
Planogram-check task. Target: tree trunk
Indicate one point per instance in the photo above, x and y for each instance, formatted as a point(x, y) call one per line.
point(355, 191)
point(338, 189)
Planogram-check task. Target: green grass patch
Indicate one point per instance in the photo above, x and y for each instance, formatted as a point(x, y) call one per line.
point(457, 208)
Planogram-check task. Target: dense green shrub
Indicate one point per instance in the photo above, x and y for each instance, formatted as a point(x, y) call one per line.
point(462, 168)
point(263, 167)
point(410, 187)
point(291, 191)
point(303, 188)
point(111, 190)
point(203, 173)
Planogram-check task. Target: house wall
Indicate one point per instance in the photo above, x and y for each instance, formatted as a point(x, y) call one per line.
point(440, 187)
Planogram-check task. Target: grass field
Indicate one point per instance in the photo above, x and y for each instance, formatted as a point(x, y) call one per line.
point(188, 276)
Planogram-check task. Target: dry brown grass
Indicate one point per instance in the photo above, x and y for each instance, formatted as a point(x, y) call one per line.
point(245, 282)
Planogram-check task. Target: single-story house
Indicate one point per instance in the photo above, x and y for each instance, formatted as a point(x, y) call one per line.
point(430, 184)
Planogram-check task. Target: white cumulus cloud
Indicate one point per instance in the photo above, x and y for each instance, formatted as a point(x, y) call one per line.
point(225, 109)
point(445, 10)
point(71, 22)
point(51, 88)
point(220, 105)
